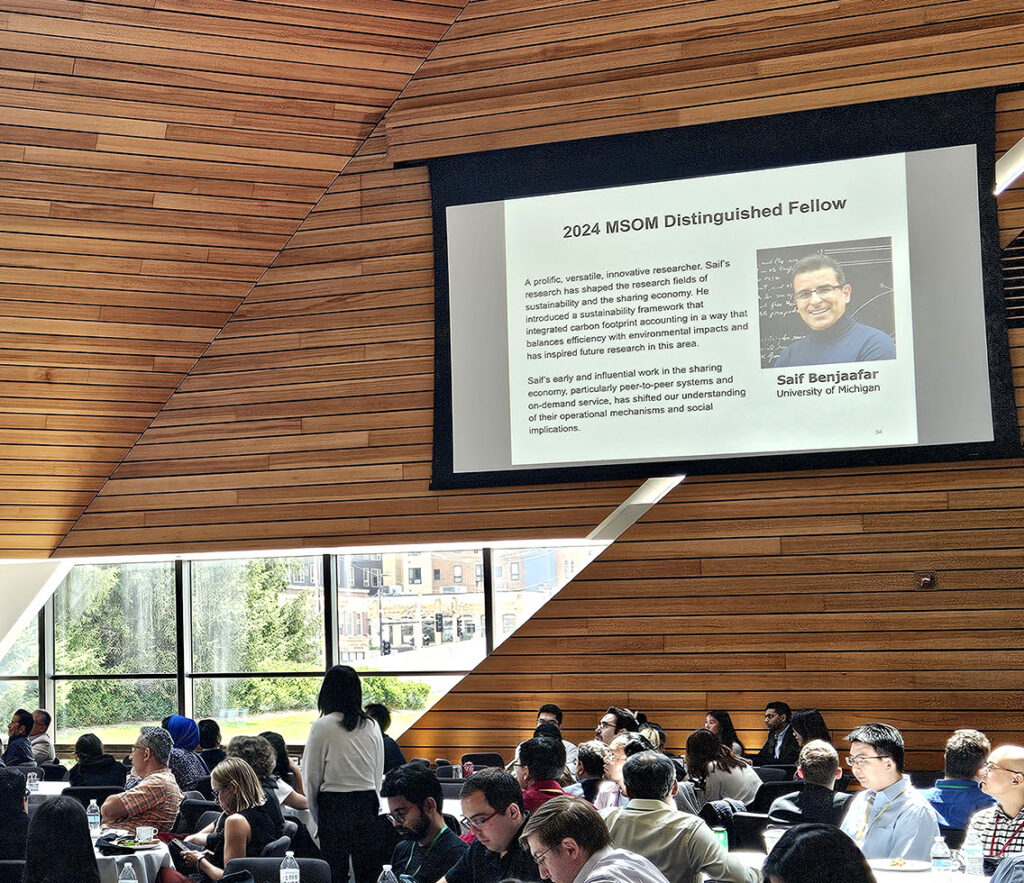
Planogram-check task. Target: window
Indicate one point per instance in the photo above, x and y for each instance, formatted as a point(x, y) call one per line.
point(19, 672)
point(457, 573)
point(415, 576)
point(437, 575)
point(513, 570)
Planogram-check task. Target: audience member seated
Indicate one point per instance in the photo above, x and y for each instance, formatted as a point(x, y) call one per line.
point(889, 818)
point(551, 714)
point(39, 736)
point(958, 796)
point(259, 754)
point(654, 733)
point(720, 723)
point(818, 766)
point(428, 847)
point(615, 722)
point(541, 762)
point(60, 846)
point(679, 844)
point(244, 827)
point(285, 768)
point(19, 748)
point(816, 853)
point(209, 741)
point(93, 767)
point(393, 756)
point(13, 814)
point(590, 770)
point(807, 725)
point(492, 804)
point(781, 745)
point(716, 771)
point(623, 746)
point(187, 766)
point(1001, 827)
point(155, 799)
point(570, 842)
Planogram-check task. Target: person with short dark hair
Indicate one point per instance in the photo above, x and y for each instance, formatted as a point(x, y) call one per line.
point(889, 818)
point(781, 745)
point(679, 844)
point(549, 723)
point(590, 771)
point(289, 793)
point(958, 796)
point(1001, 827)
point(19, 748)
point(393, 756)
point(615, 722)
point(13, 814)
point(818, 767)
point(39, 736)
point(492, 803)
point(820, 297)
point(428, 847)
point(93, 767)
point(549, 712)
point(209, 741)
point(570, 843)
point(154, 800)
point(541, 763)
point(816, 853)
point(60, 820)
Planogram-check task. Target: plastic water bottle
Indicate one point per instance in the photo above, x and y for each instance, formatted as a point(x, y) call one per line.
point(974, 855)
point(942, 861)
point(32, 781)
point(289, 869)
point(387, 875)
point(127, 874)
point(93, 812)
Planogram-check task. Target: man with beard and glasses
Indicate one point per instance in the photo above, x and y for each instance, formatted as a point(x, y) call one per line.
point(428, 847)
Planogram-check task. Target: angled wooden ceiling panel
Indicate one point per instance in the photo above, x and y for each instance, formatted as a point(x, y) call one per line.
point(155, 156)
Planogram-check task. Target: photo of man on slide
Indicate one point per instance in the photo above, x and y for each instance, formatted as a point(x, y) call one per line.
point(820, 296)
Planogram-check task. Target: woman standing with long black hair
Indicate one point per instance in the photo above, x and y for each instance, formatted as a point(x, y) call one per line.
point(343, 765)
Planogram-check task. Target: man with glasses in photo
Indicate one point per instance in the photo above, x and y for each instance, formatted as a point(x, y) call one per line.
point(1001, 827)
point(492, 804)
point(154, 800)
point(568, 840)
point(889, 818)
point(820, 295)
point(428, 847)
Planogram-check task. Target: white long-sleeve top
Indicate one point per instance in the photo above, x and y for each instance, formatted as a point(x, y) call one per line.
point(340, 760)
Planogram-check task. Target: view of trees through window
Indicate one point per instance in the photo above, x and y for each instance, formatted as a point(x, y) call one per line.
point(255, 636)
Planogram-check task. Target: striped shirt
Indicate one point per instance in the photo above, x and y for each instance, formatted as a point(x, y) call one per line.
point(1000, 835)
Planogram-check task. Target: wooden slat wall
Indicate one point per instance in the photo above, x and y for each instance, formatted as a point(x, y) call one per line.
point(307, 422)
point(154, 159)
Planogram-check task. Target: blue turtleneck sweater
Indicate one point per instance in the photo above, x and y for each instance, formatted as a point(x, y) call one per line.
point(846, 340)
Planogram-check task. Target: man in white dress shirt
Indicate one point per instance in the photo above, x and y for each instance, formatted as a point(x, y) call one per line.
point(570, 843)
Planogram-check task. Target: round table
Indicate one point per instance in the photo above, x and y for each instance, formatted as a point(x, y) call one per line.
point(754, 860)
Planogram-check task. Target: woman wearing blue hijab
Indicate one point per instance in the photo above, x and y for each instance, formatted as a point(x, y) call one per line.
point(187, 766)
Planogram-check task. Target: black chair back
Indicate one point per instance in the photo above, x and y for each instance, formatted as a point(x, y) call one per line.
point(268, 870)
point(446, 772)
point(843, 782)
point(451, 790)
point(191, 812)
point(277, 848)
point(954, 837)
point(11, 870)
point(768, 791)
point(84, 793)
point(770, 774)
point(748, 828)
point(788, 768)
point(291, 828)
point(204, 787)
point(53, 772)
point(441, 761)
point(484, 759)
point(453, 823)
point(419, 761)
point(924, 778)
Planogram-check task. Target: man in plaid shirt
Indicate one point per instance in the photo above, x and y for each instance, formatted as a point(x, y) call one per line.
point(155, 799)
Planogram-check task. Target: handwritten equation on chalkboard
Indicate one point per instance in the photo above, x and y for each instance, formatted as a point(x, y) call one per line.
point(867, 264)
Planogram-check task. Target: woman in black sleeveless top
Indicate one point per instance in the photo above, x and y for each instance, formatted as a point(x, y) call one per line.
point(243, 829)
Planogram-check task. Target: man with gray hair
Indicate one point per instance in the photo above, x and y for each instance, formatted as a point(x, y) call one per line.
point(570, 844)
point(679, 844)
point(818, 766)
point(154, 801)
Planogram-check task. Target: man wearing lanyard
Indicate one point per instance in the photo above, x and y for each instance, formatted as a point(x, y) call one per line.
point(1001, 827)
point(889, 818)
point(429, 847)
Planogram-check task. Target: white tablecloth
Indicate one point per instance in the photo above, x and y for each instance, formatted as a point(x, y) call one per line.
point(147, 864)
point(46, 790)
point(755, 859)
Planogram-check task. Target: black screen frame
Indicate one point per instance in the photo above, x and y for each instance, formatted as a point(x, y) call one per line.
point(822, 135)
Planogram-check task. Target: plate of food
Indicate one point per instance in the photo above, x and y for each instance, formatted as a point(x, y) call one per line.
point(898, 864)
point(134, 843)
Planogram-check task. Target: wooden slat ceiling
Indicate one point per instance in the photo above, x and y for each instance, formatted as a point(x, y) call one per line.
point(155, 156)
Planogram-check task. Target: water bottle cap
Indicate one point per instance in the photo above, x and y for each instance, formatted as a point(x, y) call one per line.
point(289, 854)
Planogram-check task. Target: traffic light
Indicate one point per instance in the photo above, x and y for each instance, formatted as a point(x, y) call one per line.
point(385, 648)
point(439, 622)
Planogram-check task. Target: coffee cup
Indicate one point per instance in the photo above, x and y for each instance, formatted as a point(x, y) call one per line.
point(144, 834)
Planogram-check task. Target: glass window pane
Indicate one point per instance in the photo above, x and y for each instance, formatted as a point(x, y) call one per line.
point(258, 614)
point(23, 657)
point(524, 579)
point(18, 694)
point(408, 697)
point(112, 709)
point(115, 619)
point(390, 619)
point(252, 705)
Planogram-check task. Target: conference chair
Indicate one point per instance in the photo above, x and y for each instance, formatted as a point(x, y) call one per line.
point(771, 774)
point(191, 812)
point(453, 824)
point(954, 837)
point(53, 772)
point(204, 787)
point(291, 828)
point(277, 848)
point(11, 870)
point(268, 870)
point(788, 768)
point(451, 790)
point(768, 791)
point(484, 759)
point(84, 793)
